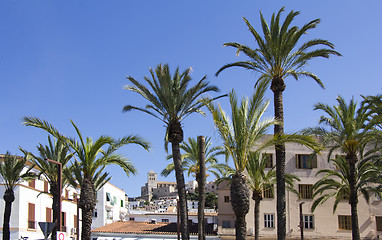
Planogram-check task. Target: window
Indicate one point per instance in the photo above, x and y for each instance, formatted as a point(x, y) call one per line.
point(132, 219)
point(306, 161)
point(269, 158)
point(226, 224)
point(378, 221)
point(95, 213)
point(308, 221)
point(121, 203)
point(226, 198)
point(46, 186)
point(75, 220)
point(32, 183)
point(269, 220)
point(114, 201)
point(109, 214)
point(63, 221)
point(344, 222)
point(31, 216)
point(268, 191)
point(165, 220)
point(305, 191)
point(108, 197)
point(48, 215)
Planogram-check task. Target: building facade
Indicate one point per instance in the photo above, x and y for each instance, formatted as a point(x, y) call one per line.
point(110, 206)
point(33, 205)
point(320, 223)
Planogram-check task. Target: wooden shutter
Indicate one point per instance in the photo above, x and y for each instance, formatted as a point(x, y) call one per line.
point(314, 161)
point(31, 216)
point(297, 165)
point(75, 222)
point(63, 219)
point(46, 187)
point(48, 215)
point(32, 183)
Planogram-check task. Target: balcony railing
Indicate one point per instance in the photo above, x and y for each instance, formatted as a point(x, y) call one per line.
point(31, 224)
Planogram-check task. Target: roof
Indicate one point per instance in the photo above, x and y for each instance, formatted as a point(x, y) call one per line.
point(147, 228)
point(166, 182)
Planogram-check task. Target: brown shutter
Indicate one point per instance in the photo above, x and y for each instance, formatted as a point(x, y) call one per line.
point(75, 221)
point(296, 156)
point(48, 215)
point(314, 161)
point(63, 219)
point(32, 183)
point(46, 188)
point(31, 218)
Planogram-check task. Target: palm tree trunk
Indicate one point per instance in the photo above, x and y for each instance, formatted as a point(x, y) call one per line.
point(201, 177)
point(8, 197)
point(278, 87)
point(56, 201)
point(257, 215)
point(353, 198)
point(181, 190)
point(87, 204)
point(240, 203)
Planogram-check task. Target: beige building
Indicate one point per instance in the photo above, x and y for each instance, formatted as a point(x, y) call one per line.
point(157, 189)
point(321, 223)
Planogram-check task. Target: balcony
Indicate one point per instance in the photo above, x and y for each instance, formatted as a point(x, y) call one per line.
point(31, 224)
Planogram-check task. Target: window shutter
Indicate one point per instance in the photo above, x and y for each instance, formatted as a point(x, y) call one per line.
point(48, 214)
point(31, 212)
point(314, 161)
point(296, 156)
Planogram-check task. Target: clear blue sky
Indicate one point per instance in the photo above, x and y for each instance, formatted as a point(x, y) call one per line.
point(63, 60)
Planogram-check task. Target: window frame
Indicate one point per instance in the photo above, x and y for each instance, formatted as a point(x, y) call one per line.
point(269, 220)
point(306, 161)
point(305, 191)
point(308, 221)
point(269, 156)
point(226, 224)
point(226, 199)
point(344, 222)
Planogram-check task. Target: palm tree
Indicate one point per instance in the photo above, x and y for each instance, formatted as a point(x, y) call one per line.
point(336, 183)
point(11, 173)
point(276, 58)
point(171, 100)
point(58, 152)
point(262, 180)
point(242, 135)
point(349, 132)
point(93, 158)
point(190, 159)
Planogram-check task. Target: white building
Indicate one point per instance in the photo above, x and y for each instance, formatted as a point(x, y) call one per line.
point(31, 206)
point(110, 206)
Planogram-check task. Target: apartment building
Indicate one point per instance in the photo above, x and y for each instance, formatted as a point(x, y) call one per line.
point(320, 223)
point(110, 207)
point(32, 205)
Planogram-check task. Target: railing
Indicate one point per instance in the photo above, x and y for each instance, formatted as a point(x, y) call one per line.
point(31, 224)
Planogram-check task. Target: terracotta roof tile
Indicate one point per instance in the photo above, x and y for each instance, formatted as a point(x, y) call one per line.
point(148, 228)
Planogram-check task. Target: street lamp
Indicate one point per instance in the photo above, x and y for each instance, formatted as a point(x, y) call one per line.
point(59, 176)
point(301, 221)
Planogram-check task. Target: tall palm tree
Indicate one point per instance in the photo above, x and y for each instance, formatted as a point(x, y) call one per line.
point(171, 99)
point(93, 157)
point(261, 180)
point(277, 57)
point(58, 152)
point(11, 173)
point(242, 135)
point(190, 159)
point(349, 132)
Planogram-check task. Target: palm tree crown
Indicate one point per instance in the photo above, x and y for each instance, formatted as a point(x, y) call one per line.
point(190, 162)
point(170, 98)
point(277, 55)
